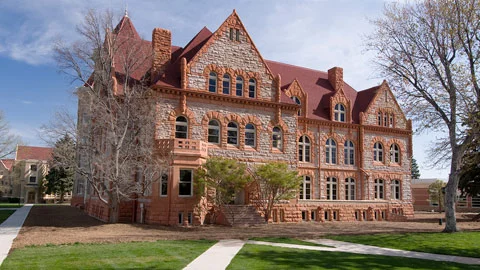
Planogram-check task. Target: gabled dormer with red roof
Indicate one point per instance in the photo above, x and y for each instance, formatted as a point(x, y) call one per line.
point(340, 108)
point(298, 95)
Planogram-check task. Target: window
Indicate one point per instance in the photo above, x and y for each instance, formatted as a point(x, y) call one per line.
point(390, 121)
point(304, 215)
point(395, 185)
point(305, 188)
point(331, 152)
point(33, 168)
point(32, 179)
point(385, 119)
point(349, 189)
point(190, 218)
point(180, 218)
point(331, 188)
point(181, 128)
point(213, 131)
point(212, 82)
point(298, 102)
point(226, 84)
point(304, 149)
point(378, 152)
point(313, 216)
point(237, 34)
point(379, 189)
point(349, 153)
point(379, 118)
point(394, 153)
point(250, 135)
point(232, 133)
point(252, 88)
point(339, 113)
point(164, 185)
point(185, 187)
point(239, 86)
point(277, 138)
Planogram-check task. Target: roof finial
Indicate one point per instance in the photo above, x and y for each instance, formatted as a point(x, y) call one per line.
point(126, 9)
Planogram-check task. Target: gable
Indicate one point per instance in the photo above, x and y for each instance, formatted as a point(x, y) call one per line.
point(237, 58)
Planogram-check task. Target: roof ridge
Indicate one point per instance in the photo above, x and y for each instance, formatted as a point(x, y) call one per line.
point(292, 65)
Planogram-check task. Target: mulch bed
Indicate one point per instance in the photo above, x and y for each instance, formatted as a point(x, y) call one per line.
point(62, 224)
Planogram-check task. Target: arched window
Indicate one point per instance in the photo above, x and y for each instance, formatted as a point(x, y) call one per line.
point(239, 86)
point(331, 188)
point(181, 128)
point(379, 188)
point(226, 84)
point(252, 88)
point(305, 188)
point(378, 152)
point(395, 185)
point(331, 152)
point(250, 135)
point(349, 153)
point(277, 138)
point(350, 189)
point(212, 82)
point(213, 131)
point(339, 112)
point(232, 133)
point(298, 102)
point(394, 153)
point(304, 149)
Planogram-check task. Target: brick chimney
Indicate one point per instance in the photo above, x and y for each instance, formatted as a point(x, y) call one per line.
point(335, 77)
point(162, 51)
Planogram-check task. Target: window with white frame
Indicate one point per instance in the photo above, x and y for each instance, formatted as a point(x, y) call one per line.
point(378, 152)
point(277, 138)
point(252, 88)
point(331, 152)
point(394, 153)
point(181, 127)
point(395, 192)
point(349, 153)
point(350, 189)
point(185, 185)
point(332, 188)
point(305, 188)
point(164, 185)
point(339, 112)
point(232, 133)
point(379, 189)
point(304, 149)
point(298, 102)
point(32, 179)
point(213, 131)
point(226, 84)
point(250, 135)
point(212, 82)
point(239, 86)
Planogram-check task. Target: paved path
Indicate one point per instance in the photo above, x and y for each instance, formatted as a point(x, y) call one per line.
point(9, 229)
point(218, 256)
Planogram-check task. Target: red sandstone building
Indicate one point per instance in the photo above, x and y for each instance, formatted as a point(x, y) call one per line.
point(217, 96)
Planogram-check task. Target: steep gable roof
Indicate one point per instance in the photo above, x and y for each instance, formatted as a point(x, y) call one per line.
point(33, 152)
point(126, 28)
point(7, 163)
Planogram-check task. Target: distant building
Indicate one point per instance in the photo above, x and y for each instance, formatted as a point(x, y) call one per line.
point(6, 184)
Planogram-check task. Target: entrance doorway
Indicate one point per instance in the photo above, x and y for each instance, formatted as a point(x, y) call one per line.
point(31, 197)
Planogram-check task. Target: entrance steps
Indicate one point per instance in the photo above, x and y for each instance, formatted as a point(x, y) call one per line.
point(236, 215)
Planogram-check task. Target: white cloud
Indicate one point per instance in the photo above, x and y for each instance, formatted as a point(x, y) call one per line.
point(27, 102)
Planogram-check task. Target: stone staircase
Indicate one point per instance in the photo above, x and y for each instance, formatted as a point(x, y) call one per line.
point(236, 215)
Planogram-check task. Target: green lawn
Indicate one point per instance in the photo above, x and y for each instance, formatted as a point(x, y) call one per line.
point(10, 205)
point(286, 240)
point(136, 255)
point(4, 214)
point(459, 244)
point(267, 257)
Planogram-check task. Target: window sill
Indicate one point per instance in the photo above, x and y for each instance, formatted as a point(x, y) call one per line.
point(378, 163)
point(185, 196)
point(250, 148)
point(233, 147)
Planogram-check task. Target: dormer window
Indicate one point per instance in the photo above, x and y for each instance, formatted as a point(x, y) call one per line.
point(339, 112)
point(226, 84)
point(234, 34)
point(298, 102)
point(252, 88)
point(212, 82)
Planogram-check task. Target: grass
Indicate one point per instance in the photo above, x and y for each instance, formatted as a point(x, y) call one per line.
point(465, 244)
point(286, 240)
point(135, 255)
point(4, 214)
point(10, 205)
point(268, 257)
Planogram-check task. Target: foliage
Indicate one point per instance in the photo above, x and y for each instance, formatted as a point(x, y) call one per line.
point(464, 244)
point(8, 141)
point(470, 171)
point(415, 169)
point(220, 180)
point(60, 176)
point(136, 255)
point(436, 194)
point(430, 53)
point(273, 183)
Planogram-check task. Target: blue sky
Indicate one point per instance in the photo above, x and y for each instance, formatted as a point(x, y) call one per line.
point(318, 34)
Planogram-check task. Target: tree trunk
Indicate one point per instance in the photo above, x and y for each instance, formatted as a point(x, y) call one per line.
point(113, 211)
point(451, 193)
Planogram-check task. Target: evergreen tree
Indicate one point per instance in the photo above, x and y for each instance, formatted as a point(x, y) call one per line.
point(415, 169)
point(60, 177)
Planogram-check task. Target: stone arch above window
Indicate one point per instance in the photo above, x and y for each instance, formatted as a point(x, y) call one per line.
point(208, 71)
point(188, 114)
point(296, 90)
point(340, 99)
point(284, 133)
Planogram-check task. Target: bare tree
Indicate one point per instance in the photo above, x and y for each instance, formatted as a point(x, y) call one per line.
point(63, 123)
point(430, 51)
point(115, 141)
point(8, 141)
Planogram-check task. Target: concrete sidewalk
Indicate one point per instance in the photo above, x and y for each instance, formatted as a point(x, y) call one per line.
point(218, 256)
point(9, 229)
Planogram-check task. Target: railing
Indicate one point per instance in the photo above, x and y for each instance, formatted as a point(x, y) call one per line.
point(184, 147)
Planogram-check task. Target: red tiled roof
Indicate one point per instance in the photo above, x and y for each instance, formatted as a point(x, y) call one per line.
point(33, 152)
point(7, 163)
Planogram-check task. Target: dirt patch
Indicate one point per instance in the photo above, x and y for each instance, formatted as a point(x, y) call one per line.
point(65, 224)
